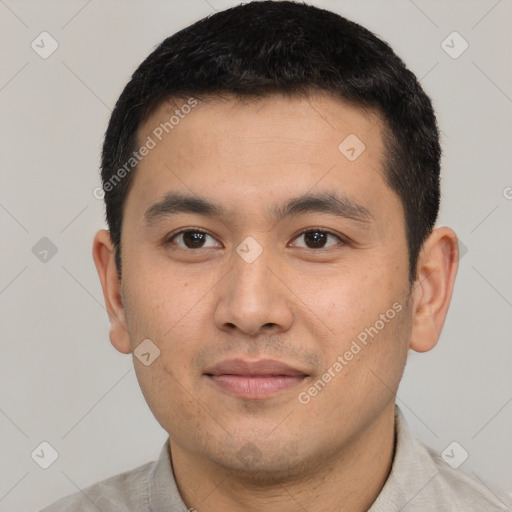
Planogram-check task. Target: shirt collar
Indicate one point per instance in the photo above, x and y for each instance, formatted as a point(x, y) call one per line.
point(163, 494)
point(410, 471)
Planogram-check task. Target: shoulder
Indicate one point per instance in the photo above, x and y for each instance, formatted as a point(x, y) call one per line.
point(421, 480)
point(454, 486)
point(125, 491)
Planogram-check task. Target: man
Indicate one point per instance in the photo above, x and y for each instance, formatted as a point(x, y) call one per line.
point(271, 178)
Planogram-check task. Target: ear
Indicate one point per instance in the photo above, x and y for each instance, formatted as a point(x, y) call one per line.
point(432, 291)
point(104, 259)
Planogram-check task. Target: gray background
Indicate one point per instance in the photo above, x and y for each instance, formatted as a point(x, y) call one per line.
point(60, 379)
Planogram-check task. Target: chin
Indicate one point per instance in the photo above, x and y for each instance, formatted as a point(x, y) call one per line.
point(269, 465)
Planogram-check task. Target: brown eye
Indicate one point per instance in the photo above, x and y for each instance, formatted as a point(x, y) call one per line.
point(317, 238)
point(190, 239)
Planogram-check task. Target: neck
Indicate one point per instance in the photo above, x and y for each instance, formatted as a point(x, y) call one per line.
point(344, 481)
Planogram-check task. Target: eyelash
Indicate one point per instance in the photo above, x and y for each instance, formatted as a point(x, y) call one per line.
point(342, 240)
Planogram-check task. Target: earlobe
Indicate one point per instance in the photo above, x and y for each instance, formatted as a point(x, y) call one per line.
point(103, 255)
point(437, 267)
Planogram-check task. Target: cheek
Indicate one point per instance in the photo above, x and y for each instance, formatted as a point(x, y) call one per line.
point(363, 369)
point(160, 297)
point(370, 325)
point(351, 303)
point(168, 312)
point(174, 405)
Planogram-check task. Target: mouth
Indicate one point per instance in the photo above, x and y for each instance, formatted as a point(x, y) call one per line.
point(254, 380)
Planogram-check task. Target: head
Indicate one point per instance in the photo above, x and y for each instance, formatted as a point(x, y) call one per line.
point(271, 178)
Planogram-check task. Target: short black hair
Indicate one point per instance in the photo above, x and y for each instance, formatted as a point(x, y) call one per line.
point(266, 47)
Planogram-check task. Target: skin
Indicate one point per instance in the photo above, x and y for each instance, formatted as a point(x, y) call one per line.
point(295, 303)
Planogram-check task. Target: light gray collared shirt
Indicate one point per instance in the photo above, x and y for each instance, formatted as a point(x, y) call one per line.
point(419, 481)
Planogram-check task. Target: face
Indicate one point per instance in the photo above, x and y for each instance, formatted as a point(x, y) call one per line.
point(277, 293)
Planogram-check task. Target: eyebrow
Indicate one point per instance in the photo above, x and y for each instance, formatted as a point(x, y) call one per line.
point(332, 204)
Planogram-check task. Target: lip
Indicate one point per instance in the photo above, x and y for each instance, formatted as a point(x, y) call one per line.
point(254, 380)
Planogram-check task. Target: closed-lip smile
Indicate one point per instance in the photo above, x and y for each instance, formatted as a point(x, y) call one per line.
point(254, 380)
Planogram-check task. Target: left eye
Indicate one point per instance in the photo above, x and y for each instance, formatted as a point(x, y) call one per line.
point(317, 238)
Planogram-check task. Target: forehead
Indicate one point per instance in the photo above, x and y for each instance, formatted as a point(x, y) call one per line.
point(253, 150)
point(318, 118)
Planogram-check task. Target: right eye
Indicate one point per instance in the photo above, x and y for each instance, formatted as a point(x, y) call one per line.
point(189, 238)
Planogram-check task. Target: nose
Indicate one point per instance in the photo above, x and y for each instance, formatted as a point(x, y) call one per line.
point(254, 298)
